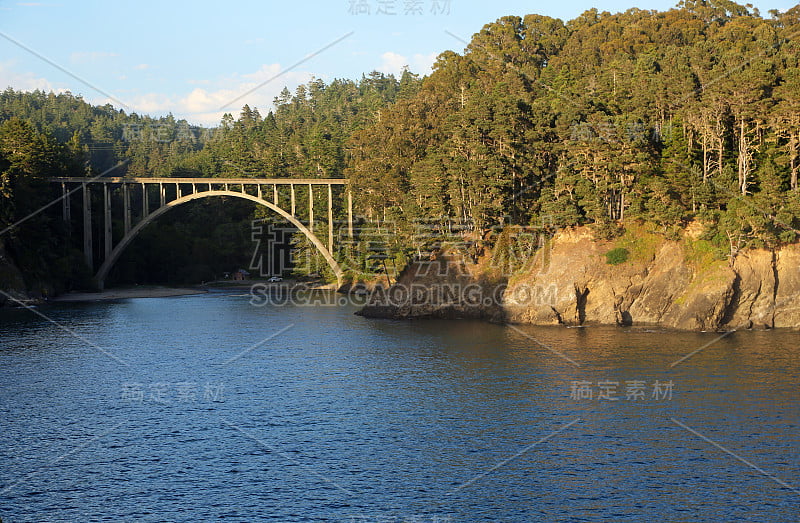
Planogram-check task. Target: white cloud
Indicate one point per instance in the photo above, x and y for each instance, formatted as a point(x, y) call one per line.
point(142, 67)
point(393, 63)
point(23, 81)
point(203, 102)
point(423, 63)
point(206, 105)
point(150, 103)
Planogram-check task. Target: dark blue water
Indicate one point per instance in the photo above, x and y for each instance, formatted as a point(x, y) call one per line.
point(181, 409)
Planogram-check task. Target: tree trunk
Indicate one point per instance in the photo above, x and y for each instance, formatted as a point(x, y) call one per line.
point(744, 157)
point(793, 158)
point(720, 147)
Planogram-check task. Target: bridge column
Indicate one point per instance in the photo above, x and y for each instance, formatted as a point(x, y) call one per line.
point(126, 204)
point(162, 194)
point(107, 220)
point(294, 213)
point(65, 208)
point(275, 194)
point(260, 192)
point(349, 212)
point(87, 227)
point(310, 208)
point(330, 218)
point(145, 202)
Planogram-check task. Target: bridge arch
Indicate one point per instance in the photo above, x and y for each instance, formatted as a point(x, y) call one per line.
point(112, 258)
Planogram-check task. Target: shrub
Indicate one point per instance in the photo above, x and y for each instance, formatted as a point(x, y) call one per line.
point(617, 256)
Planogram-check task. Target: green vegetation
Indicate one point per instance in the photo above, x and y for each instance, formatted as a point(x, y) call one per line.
point(701, 254)
point(640, 242)
point(663, 117)
point(617, 256)
point(608, 120)
point(39, 244)
point(305, 136)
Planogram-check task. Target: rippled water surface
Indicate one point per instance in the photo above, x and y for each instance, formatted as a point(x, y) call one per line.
point(205, 408)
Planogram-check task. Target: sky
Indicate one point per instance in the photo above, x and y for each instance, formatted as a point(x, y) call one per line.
point(199, 59)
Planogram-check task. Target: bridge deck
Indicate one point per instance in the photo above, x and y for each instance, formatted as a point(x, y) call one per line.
point(206, 181)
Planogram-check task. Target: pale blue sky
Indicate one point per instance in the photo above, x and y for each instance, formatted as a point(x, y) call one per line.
point(193, 57)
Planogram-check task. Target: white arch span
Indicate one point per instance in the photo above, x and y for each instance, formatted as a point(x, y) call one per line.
point(105, 268)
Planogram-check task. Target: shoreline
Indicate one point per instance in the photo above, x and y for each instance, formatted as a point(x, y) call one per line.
point(123, 293)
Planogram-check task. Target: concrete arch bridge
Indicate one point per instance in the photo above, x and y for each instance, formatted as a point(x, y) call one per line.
point(160, 195)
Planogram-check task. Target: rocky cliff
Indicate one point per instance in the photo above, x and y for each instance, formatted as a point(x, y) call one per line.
point(675, 284)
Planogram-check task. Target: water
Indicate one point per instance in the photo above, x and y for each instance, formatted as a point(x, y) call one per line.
point(176, 409)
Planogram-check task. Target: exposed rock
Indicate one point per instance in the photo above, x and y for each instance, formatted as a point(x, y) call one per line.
point(754, 291)
point(704, 301)
point(573, 284)
point(787, 297)
point(446, 288)
point(556, 292)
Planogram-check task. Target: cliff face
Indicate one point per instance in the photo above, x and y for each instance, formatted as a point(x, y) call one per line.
point(446, 287)
point(659, 288)
point(572, 283)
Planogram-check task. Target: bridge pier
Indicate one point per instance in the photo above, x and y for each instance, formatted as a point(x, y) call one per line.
point(87, 227)
point(145, 202)
point(65, 205)
point(126, 204)
point(107, 226)
point(330, 218)
point(349, 213)
point(310, 207)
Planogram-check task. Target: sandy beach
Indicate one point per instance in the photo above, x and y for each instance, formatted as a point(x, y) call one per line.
point(163, 292)
point(131, 292)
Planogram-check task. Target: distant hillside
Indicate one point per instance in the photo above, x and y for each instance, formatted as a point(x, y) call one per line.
point(690, 115)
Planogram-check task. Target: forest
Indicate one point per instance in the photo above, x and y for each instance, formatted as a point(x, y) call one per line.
point(662, 118)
